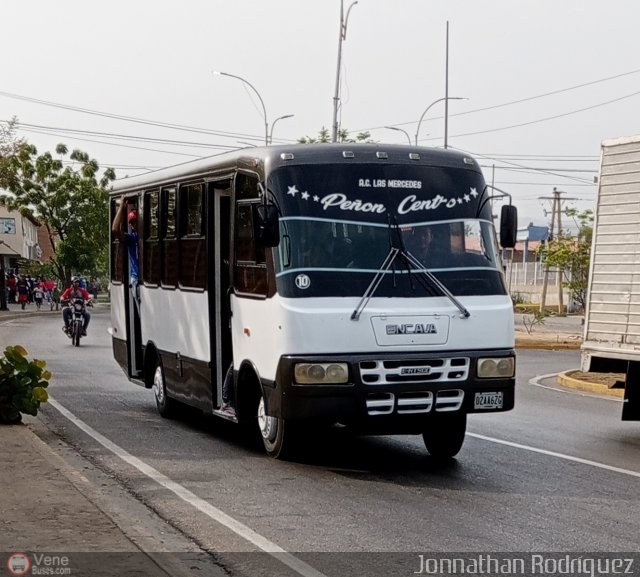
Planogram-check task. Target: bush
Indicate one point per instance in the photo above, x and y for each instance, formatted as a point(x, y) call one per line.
point(23, 385)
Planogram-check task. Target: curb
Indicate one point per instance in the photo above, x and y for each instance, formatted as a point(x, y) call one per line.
point(566, 380)
point(547, 345)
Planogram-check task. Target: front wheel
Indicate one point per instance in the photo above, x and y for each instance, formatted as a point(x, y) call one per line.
point(167, 406)
point(77, 333)
point(277, 435)
point(444, 434)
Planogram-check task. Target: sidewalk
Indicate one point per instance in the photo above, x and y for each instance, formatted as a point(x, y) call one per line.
point(60, 505)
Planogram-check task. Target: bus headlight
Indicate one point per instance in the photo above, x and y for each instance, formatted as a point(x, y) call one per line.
point(502, 367)
point(321, 373)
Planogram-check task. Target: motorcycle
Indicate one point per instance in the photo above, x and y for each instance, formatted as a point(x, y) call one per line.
point(78, 307)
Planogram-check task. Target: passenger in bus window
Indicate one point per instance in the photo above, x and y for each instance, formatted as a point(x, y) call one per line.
point(130, 238)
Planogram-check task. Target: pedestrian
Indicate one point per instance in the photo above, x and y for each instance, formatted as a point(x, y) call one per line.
point(11, 283)
point(38, 296)
point(22, 286)
point(55, 296)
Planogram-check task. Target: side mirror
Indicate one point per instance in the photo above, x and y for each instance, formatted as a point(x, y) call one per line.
point(508, 226)
point(267, 225)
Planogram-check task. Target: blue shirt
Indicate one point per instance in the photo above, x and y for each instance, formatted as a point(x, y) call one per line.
point(131, 239)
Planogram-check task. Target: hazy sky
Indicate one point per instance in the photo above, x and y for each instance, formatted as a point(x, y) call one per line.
point(546, 80)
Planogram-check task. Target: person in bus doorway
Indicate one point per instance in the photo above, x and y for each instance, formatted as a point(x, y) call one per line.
point(75, 291)
point(130, 238)
point(228, 394)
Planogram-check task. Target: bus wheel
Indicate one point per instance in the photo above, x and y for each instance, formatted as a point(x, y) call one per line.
point(166, 406)
point(276, 435)
point(444, 434)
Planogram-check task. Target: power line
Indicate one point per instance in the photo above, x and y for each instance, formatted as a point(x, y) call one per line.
point(547, 118)
point(116, 136)
point(527, 99)
point(134, 119)
point(553, 172)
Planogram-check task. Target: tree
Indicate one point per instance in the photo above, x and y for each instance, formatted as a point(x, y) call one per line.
point(572, 255)
point(10, 147)
point(69, 200)
point(343, 136)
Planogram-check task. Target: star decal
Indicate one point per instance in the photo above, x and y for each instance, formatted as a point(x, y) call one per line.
point(459, 200)
point(292, 190)
point(316, 198)
point(473, 192)
point(305, 195)
point(467, 198)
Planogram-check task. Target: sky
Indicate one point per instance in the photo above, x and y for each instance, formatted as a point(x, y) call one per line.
point(544, 82)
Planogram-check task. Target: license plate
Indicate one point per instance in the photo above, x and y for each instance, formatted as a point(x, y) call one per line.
point(488, 400)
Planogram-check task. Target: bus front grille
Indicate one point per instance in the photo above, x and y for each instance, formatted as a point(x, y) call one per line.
point(447, 369)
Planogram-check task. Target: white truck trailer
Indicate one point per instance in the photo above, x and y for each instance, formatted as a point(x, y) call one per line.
point(612, 317)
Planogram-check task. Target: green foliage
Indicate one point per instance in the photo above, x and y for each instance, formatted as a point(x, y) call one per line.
point(69, 199)
point(572, 255)
point(324, 137)
point(23, 384)
point(10, 147)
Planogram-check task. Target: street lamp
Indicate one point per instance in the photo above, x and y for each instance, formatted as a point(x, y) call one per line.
point(400, 130)
point(264, 110)
point(445, 116)
point(343, 36)
point(274, 123)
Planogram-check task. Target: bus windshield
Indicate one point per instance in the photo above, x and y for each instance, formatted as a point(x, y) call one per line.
point(337, 228)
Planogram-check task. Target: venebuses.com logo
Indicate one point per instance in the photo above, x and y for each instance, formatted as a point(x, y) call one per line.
point(18, 564)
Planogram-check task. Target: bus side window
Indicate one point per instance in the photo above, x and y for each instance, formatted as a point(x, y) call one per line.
point(250, 269)
point(151, 261)
point(168, 244)
point(193, 253)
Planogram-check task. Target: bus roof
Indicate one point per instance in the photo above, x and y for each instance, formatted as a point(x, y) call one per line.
point(265, 159)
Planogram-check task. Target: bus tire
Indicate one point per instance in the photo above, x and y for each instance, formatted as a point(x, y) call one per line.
point(444, 434)
point(277, 435)
point(167, 407)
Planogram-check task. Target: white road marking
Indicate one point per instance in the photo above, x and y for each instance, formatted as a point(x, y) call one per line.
point(557, 455)
point(192, 499)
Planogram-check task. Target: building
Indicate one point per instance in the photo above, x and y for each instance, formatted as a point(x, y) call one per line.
point(18, 239)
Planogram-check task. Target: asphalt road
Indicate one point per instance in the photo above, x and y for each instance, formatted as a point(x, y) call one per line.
point(559, 473)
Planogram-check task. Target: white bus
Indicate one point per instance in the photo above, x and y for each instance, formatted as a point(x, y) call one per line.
point(351, 284)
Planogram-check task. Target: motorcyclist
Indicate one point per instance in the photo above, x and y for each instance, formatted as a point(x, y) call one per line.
point(75, 291)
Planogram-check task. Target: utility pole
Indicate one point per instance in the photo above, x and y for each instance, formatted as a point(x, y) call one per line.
point(344, 20)
point(556, 209)
point(545, 281)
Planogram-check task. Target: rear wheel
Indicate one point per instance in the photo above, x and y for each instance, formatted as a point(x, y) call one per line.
point(444, 434)
point(167, 407)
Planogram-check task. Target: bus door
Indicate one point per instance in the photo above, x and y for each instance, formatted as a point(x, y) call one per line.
point(132, 306)
point(125, 315)
point(221, 314)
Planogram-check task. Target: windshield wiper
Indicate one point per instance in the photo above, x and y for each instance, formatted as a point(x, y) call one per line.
point(397, 249)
